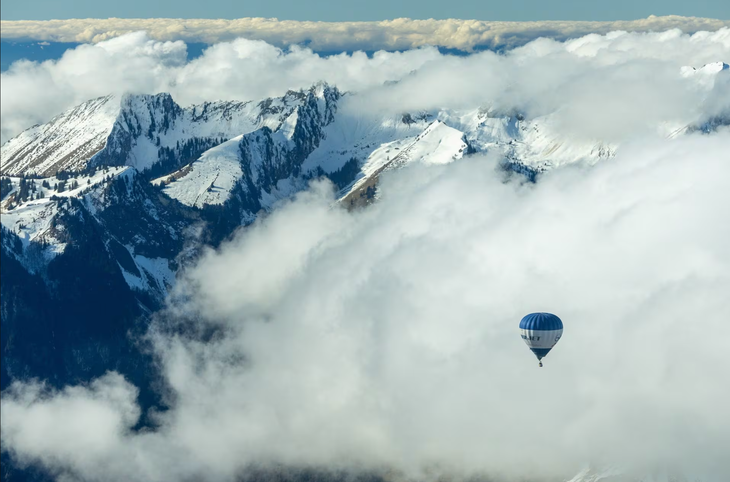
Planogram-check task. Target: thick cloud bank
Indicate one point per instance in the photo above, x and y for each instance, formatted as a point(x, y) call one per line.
point(629, 77)
point(387, 338)
point(398, 34)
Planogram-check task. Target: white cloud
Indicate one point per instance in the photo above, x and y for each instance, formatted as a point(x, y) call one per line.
point(240, 70)
point(32, 93)
point(387, 337)
point(76, 427)
point(594, 79)
point(397, 34)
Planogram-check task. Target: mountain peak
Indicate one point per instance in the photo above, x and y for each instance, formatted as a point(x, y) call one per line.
point(64, 143)
point(715, 67)
point(321, 89)
point(708, 69)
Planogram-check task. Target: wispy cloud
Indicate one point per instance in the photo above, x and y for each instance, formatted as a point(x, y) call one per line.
point(398, 34)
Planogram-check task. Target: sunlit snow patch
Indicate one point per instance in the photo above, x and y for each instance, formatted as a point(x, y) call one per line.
point(209, 180)
point(66, 142)
point(437, 144)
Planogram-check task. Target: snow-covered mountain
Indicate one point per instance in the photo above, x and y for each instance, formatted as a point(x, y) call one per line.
point(264, 165)
point(437, 144)
point(708, 70)
point(224, 162)
point(136, 130)
point(90, 246)
point(67, 142)
point(139, 137)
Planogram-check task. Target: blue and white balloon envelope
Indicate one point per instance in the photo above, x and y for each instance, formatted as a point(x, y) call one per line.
point(541, 331)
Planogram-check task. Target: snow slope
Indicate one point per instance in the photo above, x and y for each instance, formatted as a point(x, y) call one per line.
point(153, 274)
point(437, 144)
point(66, 142)
point(209, 180)
point(265, 161)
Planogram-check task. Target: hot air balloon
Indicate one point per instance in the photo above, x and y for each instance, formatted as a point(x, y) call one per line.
point(541, 331)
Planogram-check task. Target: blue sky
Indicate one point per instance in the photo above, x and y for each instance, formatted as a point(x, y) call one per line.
point(353, 10)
